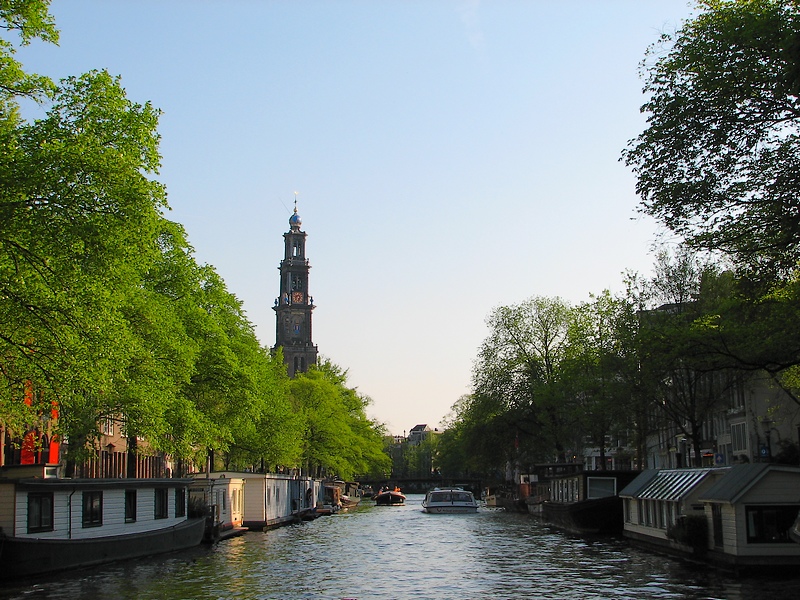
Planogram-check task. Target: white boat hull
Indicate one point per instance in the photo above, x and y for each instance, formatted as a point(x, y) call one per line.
point(451, 509)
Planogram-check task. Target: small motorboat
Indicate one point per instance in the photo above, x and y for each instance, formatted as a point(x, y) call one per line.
point(387, 497)
point(449, 500)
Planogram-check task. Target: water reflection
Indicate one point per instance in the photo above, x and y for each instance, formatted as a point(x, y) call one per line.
point(401, 552)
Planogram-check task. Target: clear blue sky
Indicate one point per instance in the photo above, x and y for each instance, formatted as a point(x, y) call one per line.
point(450, 157)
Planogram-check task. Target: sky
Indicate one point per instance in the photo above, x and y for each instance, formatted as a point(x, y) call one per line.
point(448, 158)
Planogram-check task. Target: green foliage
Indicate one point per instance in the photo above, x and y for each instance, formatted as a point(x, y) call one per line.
point(30, 20)
point(79, 215)
point(717, 163)
point(338, 437)
point(519, 399)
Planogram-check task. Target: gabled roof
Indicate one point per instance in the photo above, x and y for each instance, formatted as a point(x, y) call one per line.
point(665, 484)
point(739, 479)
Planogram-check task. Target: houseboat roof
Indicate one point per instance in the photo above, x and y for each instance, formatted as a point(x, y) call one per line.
point(741, 478)
point(84, 484)
point(664, 484)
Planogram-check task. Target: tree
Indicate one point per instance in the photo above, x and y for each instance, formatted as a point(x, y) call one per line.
point(338, 439)
point(517, 377)
point(29, 20)
point(718, 161)
point(81, 215)
point(688, 376)
point(596, 369)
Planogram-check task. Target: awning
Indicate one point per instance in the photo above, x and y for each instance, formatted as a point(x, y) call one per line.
point(671, 484)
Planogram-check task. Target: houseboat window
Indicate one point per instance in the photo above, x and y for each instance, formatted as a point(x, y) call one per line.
point(92, 509)
point(770, 524)
point(180, 502)
point(640, 507)
point(664, 514)
point(40, 511)
point(600, 487)
point(627, 504)
point(161, 509)
point(130, 506)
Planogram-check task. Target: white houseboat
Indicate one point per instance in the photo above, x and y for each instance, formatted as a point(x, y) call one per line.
point(223, 496)
point(50, 524)
point(272, 499)
point(739, 518)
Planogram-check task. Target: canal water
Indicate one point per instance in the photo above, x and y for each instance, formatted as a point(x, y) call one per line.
point(376, 552)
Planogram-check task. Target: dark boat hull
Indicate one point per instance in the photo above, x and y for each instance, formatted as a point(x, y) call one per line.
point(21, 557)
point(600, 515)
point(389, 498)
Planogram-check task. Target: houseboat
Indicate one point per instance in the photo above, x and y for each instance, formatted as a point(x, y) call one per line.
point(51, 524)
point(276, 499)
point(582, 502)
point(739, 518)
point(449, 500)
point(222, 497)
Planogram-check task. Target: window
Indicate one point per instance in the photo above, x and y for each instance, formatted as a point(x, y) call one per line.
point(92, 509)
point(770, 524)
point(601, 487)
point(162, 509)
point(130, 506)
point(108, 427)
point(40, 511)
point(716, 521)
point(739, 437)
point(180, 502)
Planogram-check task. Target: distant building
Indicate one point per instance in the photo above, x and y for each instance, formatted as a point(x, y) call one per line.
point(294, 304)
point(418, 434)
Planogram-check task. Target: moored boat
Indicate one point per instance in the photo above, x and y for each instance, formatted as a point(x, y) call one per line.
point(332, 502)
point(56, 524)
point(449, 500)
point(350, 501)
point(387, 497)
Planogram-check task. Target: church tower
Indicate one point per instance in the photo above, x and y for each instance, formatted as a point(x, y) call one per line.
point(294, 304)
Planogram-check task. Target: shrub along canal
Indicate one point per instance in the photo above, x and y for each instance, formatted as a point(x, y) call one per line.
point(401, 552)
